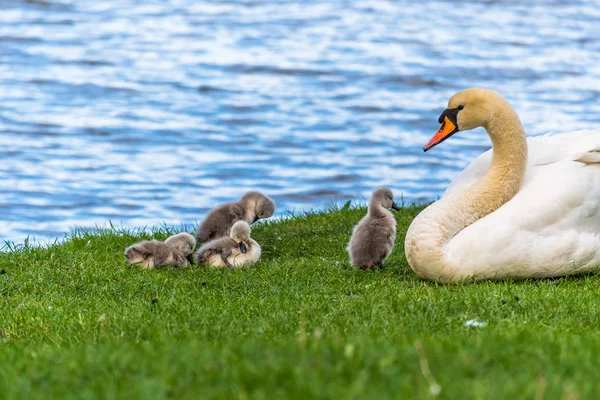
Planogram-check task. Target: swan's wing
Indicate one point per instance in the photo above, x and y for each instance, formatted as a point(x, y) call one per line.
point(471, 174)
point(582, 146)
point(551, 227)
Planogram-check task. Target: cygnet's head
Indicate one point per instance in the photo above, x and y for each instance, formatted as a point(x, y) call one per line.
point(240, 231)
point(383, 197)
point(264, 207)
point(468, 109)
point(183, 242)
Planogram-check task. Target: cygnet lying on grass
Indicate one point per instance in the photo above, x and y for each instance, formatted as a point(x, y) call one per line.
point(251, 207)
point(372, 240)
point(237, 250)
point(176, 251)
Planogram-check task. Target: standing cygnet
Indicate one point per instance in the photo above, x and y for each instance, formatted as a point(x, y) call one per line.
point(251, 207)
point(176, 251)
point(373, 238)
point(231, 252)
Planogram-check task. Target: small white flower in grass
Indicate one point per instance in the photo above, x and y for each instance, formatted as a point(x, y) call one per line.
point(475, 323)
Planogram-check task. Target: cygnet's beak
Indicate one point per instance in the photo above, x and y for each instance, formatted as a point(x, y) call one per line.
point(255, 219)
point(190, 259)
point(243, 248)
point(395, 206)
point(448, 127)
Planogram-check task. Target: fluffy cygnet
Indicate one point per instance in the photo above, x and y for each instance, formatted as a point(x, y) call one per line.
point(373, 238)
point(183, 242)
point(237, 250)
point(251, 207)
point(176, 251)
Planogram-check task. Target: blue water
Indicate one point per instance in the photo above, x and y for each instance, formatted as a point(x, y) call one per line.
point(152, 112)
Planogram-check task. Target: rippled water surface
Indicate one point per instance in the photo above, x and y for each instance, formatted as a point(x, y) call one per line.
point(148, 112)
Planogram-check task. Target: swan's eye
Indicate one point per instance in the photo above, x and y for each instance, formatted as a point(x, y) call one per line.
point(461, 107)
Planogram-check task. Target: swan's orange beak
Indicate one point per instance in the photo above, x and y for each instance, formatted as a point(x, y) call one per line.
point(447, 129)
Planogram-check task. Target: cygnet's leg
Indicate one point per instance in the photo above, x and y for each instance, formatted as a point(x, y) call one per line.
point(380, 265)
point(224, 255)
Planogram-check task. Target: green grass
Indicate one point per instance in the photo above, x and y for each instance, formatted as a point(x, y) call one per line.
point(76, 322)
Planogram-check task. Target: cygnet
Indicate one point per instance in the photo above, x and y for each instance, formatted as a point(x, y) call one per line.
point(234, 251)
point(251, 207)
point(372, 239)
point(176, 251)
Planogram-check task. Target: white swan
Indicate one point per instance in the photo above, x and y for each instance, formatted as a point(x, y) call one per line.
point(514, 212)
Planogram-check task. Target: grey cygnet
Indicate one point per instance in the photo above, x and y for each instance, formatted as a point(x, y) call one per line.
point(231, 252)
point(176, 251)
point(372, 239)
point(251, 207)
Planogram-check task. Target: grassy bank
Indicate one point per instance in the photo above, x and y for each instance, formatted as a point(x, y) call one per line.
point(76, 322)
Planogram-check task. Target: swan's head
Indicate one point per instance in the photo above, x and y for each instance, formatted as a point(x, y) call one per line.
point(383, 197)
point(264, 207)
point(467, 109)
point(240, 231)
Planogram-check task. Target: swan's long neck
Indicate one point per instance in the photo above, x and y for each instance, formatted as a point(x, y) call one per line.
point(439, 223)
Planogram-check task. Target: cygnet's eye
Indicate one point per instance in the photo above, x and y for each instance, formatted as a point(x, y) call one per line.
point(460, 107)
